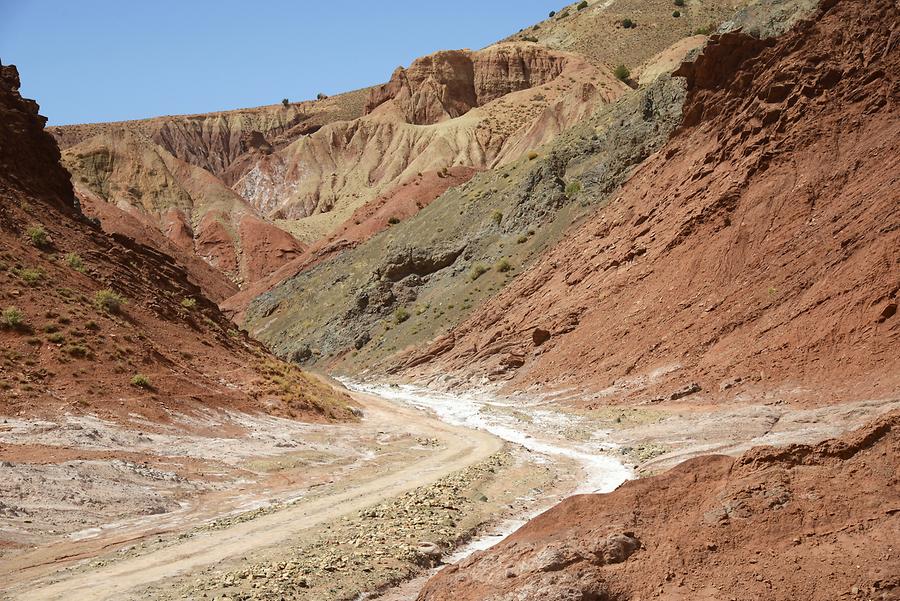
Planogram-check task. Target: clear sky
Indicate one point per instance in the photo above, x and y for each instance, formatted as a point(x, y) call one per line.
point(108, 60)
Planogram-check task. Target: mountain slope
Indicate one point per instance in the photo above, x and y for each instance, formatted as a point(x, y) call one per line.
point(799, 522)
point(101, 324)
point(757, 247)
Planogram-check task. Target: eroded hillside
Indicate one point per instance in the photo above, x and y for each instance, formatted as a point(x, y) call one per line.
point(102, 324)
point(754, 252)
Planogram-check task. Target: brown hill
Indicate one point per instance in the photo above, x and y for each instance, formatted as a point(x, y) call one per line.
point(754, 253)
point(99, 323)
point(800, 522)
point(191, 207)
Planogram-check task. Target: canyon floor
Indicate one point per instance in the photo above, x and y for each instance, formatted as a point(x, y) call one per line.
point(278, 509)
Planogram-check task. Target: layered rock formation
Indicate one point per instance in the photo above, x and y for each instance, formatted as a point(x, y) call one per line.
point(802, 522)
point(755, 252)
point(451, 109)
point(448, 84)
point(190, 206)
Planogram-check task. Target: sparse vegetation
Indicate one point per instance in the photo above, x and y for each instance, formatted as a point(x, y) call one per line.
point(477, 271)
point(393, 220)
point(30, 276)
point(503, 265)
point(679, 3)
point(497, 217)
point(676, 13)
point(141, 381)
point(705, 30)
point(56, 338)
point(401, 315)
point(74, 261)
point(109, 301)
point(189, 303)
point(582, 5)
point(522, 239)
point(285, 102)
point(12, 318)
point(573, 188)
point(38, 236)
point(628, 23)
point(622, 73)
point(552, 13)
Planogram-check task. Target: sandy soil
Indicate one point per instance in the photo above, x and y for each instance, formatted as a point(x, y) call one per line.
point(401, 449)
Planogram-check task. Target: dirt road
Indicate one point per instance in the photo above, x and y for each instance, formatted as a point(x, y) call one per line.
point(460, 447)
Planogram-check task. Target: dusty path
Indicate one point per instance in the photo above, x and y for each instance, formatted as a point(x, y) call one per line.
point(461, 447)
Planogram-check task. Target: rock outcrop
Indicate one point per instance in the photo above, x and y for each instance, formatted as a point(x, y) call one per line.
point(802, 522)
point(448, 84)
point(759, 243)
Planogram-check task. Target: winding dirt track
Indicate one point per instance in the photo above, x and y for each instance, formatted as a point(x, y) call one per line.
point(462, 447)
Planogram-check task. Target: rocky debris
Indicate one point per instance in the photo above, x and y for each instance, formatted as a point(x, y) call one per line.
point(812, 522)
point(383, 544)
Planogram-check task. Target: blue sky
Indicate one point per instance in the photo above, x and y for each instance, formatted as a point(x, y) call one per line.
point(105, 60)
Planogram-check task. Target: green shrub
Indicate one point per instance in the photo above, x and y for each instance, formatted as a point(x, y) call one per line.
point(30, 276)
point(522, 239)
point(189, 303)
point(706, 30)
point(628, 23)
point(676, 13)
point(392, 220)
point(78, 350)
point(56, 338)
point(622, 73)
point(285, 102)
point(477, 271)
point(679, 3)
point(573, 189)
point(74, 261)
point(92, 326)
point(582, 5)
point(141, 381)
point(12, 318)
point(497, 217)
point(503, 266)
point(552, 12)
point(401, 315)
point(38, 236)
point(109, 301)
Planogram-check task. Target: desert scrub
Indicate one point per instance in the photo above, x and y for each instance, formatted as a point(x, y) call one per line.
point(301, 392)
point(477, 271)
point(12, 318)
point(30, 275)
point(109, 301)
point(522, 239)
point(573, 188)
point(401, 315)
point(141, 381)
point(503, 266)
point(392, 220)
point(38, 236)
point(189, 303)
point(582, 5)
point(497, 217)
point(74, 261)
point(622, 73)
point(532, 155)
